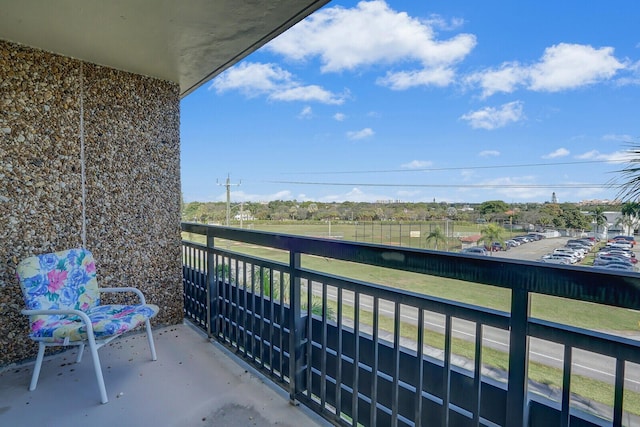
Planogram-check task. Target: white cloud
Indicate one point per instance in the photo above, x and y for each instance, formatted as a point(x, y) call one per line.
point(492, 118)
point(615, 157)
point(489, 153)
point(255, 79)
point(355, 195)
point(372, 33)
point(407, 79)
point(307, 94)
point(508, 187)
point(567, 66)
point(562, 67)
point(340, 117)
point(505, 79)
point(360, 134)
point(306, 113)
point(241, 196)
point(416, 164)
point(623, 138)
point(560, 152)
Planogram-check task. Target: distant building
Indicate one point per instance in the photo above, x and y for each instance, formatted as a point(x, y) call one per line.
point(554, 199)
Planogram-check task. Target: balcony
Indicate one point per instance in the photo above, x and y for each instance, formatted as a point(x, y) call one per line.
point(361, 355)
point(193, 383)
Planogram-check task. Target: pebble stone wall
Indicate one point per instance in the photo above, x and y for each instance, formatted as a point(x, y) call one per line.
point(131, 207)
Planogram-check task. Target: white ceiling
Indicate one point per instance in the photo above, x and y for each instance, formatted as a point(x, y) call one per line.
point(184, 41)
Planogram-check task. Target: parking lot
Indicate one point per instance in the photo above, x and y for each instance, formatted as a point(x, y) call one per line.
point(532, 251)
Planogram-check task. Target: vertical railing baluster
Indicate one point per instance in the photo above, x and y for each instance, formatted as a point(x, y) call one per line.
point(309, 340)
point(212, 288)
point(323, 363)
point(295, 327)
point(420, 370)
point(566, 388)
point(356, 358)
point(396, 364)
point(477, 378)
point(282, 325)
point(446, 373)
point(518, 358)
point(253, 311)
point(374, 367)
point(236, 269)
point(339, 358)
point(618, 397)
point(224, 306)
point(272, 319)
point(262, 345)
point(245, 291)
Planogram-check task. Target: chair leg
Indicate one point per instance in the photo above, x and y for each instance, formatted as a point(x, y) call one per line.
point(38, 365)
point(98, 369)
point(150, 338)
point(80, 351)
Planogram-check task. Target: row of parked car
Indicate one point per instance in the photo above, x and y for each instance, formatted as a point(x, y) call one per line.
point(616, 255)
point(508, 244)
point(575, 250)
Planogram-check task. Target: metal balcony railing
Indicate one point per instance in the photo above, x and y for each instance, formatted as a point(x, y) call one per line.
point(319, 335)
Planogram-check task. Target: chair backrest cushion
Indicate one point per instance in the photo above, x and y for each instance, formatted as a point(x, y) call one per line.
point(59, 280)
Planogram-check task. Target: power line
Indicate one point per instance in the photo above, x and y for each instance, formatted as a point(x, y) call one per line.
point(520, 165)
point(360, 184)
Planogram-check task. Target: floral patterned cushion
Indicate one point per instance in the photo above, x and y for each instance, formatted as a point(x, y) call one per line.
point(107, 320)
point(67, 280)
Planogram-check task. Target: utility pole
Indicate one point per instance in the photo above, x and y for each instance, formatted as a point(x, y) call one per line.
point(228, 185)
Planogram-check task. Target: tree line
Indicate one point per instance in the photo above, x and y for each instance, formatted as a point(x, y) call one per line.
point(546, 215)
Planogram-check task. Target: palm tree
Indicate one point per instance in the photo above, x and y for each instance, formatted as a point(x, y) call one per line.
point(630, 214)
point(627, 224)
point(492, 233)
point(598, 217)
point(436, 236)
point(630, 190)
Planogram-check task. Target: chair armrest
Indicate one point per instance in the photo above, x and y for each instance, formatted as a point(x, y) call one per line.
point(136, 291)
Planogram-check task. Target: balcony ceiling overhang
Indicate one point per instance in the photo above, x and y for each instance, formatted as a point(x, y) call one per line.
point(184, 41)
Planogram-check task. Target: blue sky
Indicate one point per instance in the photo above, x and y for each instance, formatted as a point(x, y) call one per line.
point(452, 100)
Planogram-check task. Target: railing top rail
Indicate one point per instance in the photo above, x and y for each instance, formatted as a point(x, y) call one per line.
point(620, 289)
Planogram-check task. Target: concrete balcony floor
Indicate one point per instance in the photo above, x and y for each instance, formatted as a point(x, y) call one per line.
point(194, 382)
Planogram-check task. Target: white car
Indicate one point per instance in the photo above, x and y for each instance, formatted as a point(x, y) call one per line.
point(577, 253)
point(571, 257)
point(620, 244)
point(554, 259)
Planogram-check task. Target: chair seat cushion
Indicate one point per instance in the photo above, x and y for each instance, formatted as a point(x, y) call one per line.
point(107, 321)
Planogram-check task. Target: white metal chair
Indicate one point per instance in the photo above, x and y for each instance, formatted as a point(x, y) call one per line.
point(62, 296)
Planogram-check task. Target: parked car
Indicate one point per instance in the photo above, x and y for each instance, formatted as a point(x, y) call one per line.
point(577, 253)
point(497, 246)
point(624, 244)
point(608, 259)
point(629, 239)
point(476, 250)
point(553, 259)
point(512, 243)
point(614, 267)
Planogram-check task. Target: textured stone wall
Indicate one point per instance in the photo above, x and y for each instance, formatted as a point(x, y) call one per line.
point(131, 208)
